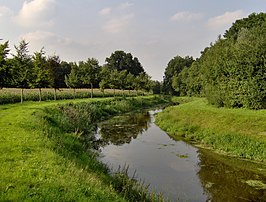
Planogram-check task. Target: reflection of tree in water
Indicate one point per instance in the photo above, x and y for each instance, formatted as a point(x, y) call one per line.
point(225, 182)
point(122, 129)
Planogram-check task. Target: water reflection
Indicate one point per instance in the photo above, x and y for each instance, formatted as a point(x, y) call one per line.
point(224, 178)
point(122, 129)
point(175, 168)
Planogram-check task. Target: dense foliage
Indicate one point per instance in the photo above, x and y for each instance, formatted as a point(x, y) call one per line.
point(171, 82)
point(231, 72)
point(120, 61)
point(122, 71)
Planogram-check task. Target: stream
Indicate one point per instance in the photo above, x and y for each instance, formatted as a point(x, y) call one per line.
point(177, 169)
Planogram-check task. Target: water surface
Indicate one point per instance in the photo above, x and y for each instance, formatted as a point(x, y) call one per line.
point(176, 168)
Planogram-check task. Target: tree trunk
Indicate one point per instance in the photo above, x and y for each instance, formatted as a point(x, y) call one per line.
point(21, 96)
point(114, 92)
point(91, 90)
point(74, 93)
point(54, 93)
point(40, 94)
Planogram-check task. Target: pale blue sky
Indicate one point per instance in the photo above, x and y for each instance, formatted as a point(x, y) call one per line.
point(152, 30)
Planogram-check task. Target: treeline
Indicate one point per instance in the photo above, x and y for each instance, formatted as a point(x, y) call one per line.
point(230, 72)
point(23, 70)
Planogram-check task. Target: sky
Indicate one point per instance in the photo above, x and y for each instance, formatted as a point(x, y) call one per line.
point(154, 31)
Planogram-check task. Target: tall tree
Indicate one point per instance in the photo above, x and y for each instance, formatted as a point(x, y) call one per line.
point(142, 82)
point(156, 87)
point(88, 72)
point(121, 60)
point(122, 80)
point(253, 20)
point(173, 69)
point(73, 79)
point(41, 76)
point(56, 73)
point(130, 81)
point(65, 69)
point(233, 69)
point(114, 80)
point(104, 77)
point(21, 67)
point(4, 67)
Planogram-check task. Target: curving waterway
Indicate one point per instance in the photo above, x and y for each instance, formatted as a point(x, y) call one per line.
point(177, 169)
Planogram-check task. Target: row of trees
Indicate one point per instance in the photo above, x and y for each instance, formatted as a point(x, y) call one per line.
point(23, 70)
point(231, 72)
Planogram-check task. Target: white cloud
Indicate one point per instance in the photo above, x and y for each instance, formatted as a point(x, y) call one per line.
point(38, 39)
point(105, 11)
point(186, 16)
point(225, 20)
point(116, 25)
point(36, 13)
point(125, 5)
point(5, 11)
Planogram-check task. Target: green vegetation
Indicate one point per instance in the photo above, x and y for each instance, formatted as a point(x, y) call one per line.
point(231, 72)
point(13, 95)
point(25, 71)
point(256, 183)
point(237, 132)
point(45, 152)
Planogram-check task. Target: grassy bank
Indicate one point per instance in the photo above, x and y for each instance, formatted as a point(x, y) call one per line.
point(45, 156)
point(237, 132)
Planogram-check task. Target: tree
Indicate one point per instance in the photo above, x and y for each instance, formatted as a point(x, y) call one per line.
point(122, 80)
point(114, 80)
point(156, 87)
point(119, 60)
point(253, 20)
point(21, 67)
point(56, 73)
point(104, 76)
point(4, 67)
point(65, 69)
point(142, 82)
point(88, 72)
point(73, 79)
point(234, 70)
point(41, 77)
point(173, 69)
point(130, 81)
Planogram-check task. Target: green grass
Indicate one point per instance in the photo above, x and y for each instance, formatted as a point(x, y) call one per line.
point(43, 161)
point(238, 132)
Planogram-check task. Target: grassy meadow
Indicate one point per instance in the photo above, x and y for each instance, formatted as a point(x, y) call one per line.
point(45, 152)
point(236, 132)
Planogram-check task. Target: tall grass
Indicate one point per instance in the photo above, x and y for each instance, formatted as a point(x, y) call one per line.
point(13, 95)
point(238, 132)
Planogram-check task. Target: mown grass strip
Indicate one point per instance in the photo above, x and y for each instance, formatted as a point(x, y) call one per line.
point(42, 161)
point(238, 132)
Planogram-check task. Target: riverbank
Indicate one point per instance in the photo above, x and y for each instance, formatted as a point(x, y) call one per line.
point(45, 151)
point(234, 132)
